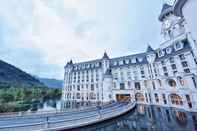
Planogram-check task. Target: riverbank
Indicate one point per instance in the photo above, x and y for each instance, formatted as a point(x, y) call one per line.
point(16, 99)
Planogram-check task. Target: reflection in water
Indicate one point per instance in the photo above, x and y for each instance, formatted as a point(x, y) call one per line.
point(149, 118)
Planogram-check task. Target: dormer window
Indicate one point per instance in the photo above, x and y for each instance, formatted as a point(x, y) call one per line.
point(87, 66)
point(127, 61)
point(178, 46)
point(92, 65)
point(133, 60)
point(115, 63)
point(161, 53)
point(140, 59)
point(121, 62)
point(97, 64)
point(169, 50)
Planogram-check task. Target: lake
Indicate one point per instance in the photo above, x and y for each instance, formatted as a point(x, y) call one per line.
point(149, 118)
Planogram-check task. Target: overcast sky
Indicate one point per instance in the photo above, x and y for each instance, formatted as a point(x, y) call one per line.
point(40, 36)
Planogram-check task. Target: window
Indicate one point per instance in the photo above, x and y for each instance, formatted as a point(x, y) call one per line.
point(159, 82)
point(146, 96)
point(129, 75)
point(178, 45)
point(173, 66)
point(78, 95)
point(153, 83)
point(182, 57)
point(137, 86)
point(184, 64)
point(189, 101)
point(172, 83)
point(116, 76)
point(114, 84)
point(92, 87)
point(181, 81)
point(187, 70)
point(156, 98)
point(122, 86)
point(168, 50)
point(176, 99)
point(165, 69)
point(166, 74)
point(194, 81)
point(163, 63)
point(161, 53)
point(164, 99)
point(78, 87)
point(171, 60)
point(129, 84)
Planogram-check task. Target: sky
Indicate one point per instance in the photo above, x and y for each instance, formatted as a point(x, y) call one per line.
point(41, 36)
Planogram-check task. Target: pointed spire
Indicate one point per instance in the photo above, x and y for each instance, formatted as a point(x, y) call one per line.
point(149, 49)
point(71, 62)
point(105, 56)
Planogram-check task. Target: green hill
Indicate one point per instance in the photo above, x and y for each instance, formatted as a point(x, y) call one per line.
point(13, 76)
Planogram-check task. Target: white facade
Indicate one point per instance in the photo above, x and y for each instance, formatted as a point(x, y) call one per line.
point(165, 76)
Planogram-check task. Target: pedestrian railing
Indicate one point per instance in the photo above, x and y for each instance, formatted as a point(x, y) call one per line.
point(64, 120)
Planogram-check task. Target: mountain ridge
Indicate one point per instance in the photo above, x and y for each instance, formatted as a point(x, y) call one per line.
point(13, 76)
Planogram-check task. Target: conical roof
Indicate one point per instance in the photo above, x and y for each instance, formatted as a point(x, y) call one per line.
point(150, 49)
point(105, 56)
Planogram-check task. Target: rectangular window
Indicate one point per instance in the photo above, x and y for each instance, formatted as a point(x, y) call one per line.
point(182, 57)
point(189, 101)
point(166, 74)
point(165, 69)
point(78, 87)
point(164, 99)
point(194, 81)
point(137, 86)
point(153, 83)
point(163, 63)
point(173, 66)
point(187, 70)
point(92, 87)
point(156, 98)
point(122, 86)
point(184, 64)
point(171, 60)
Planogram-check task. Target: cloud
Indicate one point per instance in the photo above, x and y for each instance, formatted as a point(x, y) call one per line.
point(53, 31)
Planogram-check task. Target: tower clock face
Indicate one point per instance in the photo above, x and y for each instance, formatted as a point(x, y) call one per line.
point(170, 2)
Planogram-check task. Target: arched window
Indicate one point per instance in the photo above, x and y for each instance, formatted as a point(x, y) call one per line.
point(176, 99)
point(180, 79)
point(172, 83)
point(181, 118)
point(139, 97)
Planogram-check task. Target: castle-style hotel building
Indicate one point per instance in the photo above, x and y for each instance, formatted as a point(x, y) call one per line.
point(166, 76)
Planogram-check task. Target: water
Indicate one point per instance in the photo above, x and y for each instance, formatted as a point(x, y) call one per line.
point(149, 118)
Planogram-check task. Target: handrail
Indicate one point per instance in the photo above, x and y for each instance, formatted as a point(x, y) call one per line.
point(57, 114)
point(81, 119)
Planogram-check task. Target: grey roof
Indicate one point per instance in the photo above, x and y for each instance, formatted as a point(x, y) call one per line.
point(149, 49)
point(105, 56)
point(139, 59)
point(176, 9)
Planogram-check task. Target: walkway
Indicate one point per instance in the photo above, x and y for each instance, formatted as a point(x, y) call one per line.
point(63, 120)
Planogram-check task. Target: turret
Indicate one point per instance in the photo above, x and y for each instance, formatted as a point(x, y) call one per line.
point(107, 86)
point(151, 55)
point(172, 19)
point(105, 62)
